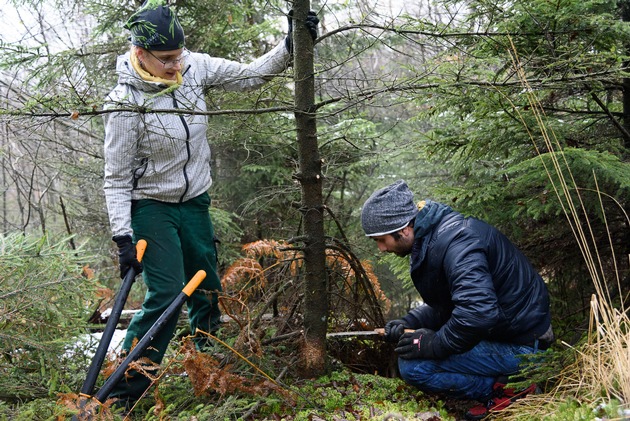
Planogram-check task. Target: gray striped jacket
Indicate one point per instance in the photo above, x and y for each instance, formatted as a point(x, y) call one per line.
point(164, 156)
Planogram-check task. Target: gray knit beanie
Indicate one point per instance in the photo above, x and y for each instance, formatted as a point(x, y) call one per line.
point(388, 210)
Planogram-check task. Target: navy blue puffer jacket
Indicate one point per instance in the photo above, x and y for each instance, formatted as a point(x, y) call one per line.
point(475, 284)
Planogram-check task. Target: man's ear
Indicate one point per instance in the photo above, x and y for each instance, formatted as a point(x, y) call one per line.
point(407, 231)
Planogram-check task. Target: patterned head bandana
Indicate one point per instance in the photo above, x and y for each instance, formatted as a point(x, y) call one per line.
point(155, 27)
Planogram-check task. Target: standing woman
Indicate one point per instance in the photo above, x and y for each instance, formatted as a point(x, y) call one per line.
point(157, 171)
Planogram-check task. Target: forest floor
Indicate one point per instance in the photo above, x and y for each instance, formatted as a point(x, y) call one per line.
point(247, 378)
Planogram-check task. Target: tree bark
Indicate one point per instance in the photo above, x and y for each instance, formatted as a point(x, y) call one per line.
point(313, 362)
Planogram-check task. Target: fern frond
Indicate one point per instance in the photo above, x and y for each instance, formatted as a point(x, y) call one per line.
point(244, 273)
point(262, 248)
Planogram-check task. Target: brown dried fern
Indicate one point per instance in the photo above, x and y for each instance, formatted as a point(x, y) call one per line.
point(244, 273)
point(262, 248)
point(207, 376)
point(356, 290)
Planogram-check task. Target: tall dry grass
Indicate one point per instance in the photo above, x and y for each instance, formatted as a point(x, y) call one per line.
point(599, 377)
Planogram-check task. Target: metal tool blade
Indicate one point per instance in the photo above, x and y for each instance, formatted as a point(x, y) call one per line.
point(375, 332)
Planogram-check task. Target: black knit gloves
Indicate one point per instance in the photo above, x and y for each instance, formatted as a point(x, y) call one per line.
point(311, 24)
point(422, 343)
point(127, 255)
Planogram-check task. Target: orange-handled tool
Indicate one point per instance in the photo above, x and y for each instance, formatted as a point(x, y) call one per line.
point(144, 343)
point(112, 322)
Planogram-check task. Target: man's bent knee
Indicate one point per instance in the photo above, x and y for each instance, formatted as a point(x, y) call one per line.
point(414, 372)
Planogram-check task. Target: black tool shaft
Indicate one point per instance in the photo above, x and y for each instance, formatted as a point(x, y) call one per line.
point(112, 322)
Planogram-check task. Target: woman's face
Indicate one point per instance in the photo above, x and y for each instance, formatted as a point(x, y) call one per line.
point(162, 64)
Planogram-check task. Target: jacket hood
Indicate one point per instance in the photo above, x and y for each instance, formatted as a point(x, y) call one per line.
point(426, 220)
point(428, 217)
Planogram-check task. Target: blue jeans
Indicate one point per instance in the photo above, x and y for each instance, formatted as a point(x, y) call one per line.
point(470, 375)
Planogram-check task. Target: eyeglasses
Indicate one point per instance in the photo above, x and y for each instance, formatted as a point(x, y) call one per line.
point(170, 63)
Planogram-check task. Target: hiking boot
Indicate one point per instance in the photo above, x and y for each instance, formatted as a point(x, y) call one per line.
point(500, 399)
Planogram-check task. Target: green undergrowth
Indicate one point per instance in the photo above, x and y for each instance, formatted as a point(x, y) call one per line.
point(357, 397)
point(340, 395)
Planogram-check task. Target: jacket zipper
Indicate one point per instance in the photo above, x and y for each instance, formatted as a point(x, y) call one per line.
point(183, 120)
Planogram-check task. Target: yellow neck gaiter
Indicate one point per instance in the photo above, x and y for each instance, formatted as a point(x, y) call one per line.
point(148, 76)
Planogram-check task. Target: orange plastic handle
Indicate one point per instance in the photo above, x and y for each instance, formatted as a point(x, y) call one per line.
point(141, 246)
point(192, 285)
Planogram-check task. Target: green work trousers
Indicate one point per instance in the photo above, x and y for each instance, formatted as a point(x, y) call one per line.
point(180, 242)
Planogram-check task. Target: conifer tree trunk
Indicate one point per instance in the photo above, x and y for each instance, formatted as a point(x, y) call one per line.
point(313, 362)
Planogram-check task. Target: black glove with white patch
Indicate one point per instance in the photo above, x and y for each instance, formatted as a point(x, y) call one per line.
point(419, 344)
